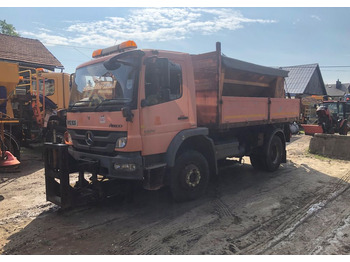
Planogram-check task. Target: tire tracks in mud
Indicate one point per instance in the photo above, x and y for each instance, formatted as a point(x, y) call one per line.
point(170, 236)
point(335, 238)
point(174, 235)
point(71, 231)
point(268, 234)
point(146, 234)
point(136, 230)
point(30, 213)
point(161, 237)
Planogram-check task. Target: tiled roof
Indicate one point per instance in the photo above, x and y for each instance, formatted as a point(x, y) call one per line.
point(299, 77)
point(27, 51)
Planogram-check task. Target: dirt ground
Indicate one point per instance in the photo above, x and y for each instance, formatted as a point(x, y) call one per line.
point(303, 208)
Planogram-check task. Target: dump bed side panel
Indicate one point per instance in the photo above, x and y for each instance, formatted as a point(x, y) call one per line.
point(248, 111)
point(284, 109)
point(245, 110)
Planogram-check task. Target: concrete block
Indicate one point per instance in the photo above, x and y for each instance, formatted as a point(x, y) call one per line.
point(333, 146)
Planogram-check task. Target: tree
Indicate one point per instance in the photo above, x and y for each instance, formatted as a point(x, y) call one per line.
point(7, 29)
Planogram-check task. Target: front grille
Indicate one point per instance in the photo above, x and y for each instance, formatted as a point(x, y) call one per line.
point(103, 141)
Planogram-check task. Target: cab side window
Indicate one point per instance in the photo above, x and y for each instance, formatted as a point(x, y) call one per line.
point(163, 82)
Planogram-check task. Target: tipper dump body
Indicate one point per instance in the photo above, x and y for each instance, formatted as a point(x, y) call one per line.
point(234, 93)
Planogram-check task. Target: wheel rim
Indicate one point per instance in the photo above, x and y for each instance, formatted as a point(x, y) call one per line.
point(192, 176)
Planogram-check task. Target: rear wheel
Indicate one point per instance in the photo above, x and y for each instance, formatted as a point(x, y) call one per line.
point(274, 154)
point(257, 161)
point(271, 158)
point(190, 176)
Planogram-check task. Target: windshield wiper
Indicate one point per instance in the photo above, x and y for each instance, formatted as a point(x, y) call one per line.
point(113, 101)
point(80, 103)
point(83, 104)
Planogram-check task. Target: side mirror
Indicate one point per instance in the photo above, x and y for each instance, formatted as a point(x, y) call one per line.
point(126, 111)
point(71, 79)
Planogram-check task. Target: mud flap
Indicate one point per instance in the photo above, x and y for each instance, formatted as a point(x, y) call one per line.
point(284, 155)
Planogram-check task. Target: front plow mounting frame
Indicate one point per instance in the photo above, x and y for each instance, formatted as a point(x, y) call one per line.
point(58, 167)
point(60, 190)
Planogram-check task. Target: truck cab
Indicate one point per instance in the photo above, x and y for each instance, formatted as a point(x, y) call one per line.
point(126, 108)
point(56, 87)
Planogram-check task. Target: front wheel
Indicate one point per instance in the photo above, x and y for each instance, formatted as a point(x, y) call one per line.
point(189, 177)
point(257, 161)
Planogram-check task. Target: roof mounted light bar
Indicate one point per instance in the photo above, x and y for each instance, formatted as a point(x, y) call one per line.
point(114, 49)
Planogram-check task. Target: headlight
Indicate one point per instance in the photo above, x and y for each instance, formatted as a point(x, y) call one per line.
point(67, 138)
point(121, 142)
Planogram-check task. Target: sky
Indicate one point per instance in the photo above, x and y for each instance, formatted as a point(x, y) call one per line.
point(269, 36)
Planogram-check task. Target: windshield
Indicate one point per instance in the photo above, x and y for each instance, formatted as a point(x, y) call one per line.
point(49, 86)
point(104, 84)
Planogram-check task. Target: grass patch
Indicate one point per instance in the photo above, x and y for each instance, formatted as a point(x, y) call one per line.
point(319, 157)
point(322, 157)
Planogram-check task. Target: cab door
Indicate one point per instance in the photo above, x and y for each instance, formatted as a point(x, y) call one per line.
point(164, 107)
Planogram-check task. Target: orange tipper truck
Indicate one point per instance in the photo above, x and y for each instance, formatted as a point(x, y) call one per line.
point(167, 118)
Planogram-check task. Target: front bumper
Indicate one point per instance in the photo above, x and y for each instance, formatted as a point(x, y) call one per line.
point(107, 164)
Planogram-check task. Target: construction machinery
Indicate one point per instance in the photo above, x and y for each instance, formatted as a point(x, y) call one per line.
point(308, 109)
point(9, 144)
point(37, 101)
point(332, 117)
point(31, 100)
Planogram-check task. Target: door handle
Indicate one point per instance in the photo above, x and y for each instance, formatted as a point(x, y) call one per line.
point(182, 117)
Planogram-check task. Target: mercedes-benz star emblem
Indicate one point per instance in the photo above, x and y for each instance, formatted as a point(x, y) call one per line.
point(89, 138)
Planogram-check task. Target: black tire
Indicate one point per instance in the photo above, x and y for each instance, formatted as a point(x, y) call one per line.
point(189, 177)
point(344, 129)
point(257, 162)
point(274, 153)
